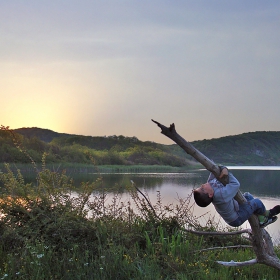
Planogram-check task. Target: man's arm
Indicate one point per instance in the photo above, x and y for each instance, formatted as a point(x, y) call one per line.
point(231, 180)
point(223, 174)
point(232, 187)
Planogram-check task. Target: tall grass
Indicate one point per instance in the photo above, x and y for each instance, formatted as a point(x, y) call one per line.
point(89, 168)
point(49, 233)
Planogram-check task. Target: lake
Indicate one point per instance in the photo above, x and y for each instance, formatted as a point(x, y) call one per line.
point(261, 182)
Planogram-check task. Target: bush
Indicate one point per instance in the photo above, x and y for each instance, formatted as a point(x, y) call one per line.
point(52, 230)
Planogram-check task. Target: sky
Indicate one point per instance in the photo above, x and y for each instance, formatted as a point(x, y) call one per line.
point(108, 67)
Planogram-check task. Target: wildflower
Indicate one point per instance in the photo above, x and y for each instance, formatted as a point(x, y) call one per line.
point(85, 264)
point(39, 256)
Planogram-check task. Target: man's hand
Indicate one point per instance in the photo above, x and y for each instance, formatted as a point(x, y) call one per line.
point(224, 175)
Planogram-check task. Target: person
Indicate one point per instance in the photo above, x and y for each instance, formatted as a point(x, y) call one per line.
point(222, 197)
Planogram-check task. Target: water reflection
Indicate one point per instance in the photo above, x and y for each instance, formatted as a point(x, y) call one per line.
point(149, 181)
point(263, 184)
point(258, 182)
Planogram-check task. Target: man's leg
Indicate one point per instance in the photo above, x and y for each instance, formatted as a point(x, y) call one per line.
point(265, 217)
point(258, 204)
point(246, 210)
point(248, 196)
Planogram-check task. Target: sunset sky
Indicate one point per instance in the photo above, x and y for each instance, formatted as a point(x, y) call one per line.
point(108, 67)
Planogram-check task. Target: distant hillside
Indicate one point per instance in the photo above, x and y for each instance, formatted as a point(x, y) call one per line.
point(254, 148)
point(45, 135)
point(67, 148)
point(94, 142)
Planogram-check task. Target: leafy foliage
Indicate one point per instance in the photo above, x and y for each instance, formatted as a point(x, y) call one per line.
point(51, 230)
point(115, 150)
point(44, 212)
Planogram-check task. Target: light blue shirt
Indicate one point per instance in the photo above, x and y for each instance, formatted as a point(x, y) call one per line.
point(223, 198)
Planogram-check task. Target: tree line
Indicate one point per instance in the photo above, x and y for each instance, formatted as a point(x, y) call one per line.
point(253, 148)
point(114, 150)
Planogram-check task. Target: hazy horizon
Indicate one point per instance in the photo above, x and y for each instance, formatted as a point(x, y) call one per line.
point(62, 132)
point(108, 68)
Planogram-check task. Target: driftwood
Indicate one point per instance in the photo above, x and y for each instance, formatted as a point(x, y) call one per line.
point(261, 240)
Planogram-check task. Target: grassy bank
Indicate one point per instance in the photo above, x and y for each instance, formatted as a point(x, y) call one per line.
point(119, 253)
point(90, 168)
point(46, 233)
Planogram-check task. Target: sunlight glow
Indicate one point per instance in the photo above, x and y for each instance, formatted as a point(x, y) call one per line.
point(48, 98)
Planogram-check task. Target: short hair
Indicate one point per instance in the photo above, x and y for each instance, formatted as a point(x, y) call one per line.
point(202, 199)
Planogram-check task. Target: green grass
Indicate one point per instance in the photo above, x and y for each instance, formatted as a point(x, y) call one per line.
point(90, 168)
point(141, 168)
point(48, 234)
point(160, 257)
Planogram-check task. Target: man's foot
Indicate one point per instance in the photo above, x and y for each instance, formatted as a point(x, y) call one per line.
point(268, 221)
point(274, 211)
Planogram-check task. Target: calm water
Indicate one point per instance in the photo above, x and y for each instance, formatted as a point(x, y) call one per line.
point(261, 182)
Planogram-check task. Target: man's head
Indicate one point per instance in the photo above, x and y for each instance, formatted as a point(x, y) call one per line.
point(203, 195)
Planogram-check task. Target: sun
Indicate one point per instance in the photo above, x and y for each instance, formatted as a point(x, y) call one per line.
point(32, 103)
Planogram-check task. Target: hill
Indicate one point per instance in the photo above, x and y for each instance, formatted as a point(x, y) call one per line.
point(253, 148)
point(45, 135)
point(61, 147)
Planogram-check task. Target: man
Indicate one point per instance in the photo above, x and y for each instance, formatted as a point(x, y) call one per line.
point(222, 197)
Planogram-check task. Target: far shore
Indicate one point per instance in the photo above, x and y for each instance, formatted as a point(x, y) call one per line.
point(99, 169)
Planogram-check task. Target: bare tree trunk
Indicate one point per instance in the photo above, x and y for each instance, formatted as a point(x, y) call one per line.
point(260, 239)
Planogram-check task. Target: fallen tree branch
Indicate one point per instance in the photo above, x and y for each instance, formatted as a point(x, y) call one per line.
point(223, 248)
point(189, 148)
point(218, 232)
point(260, 239)
point(233, 263)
